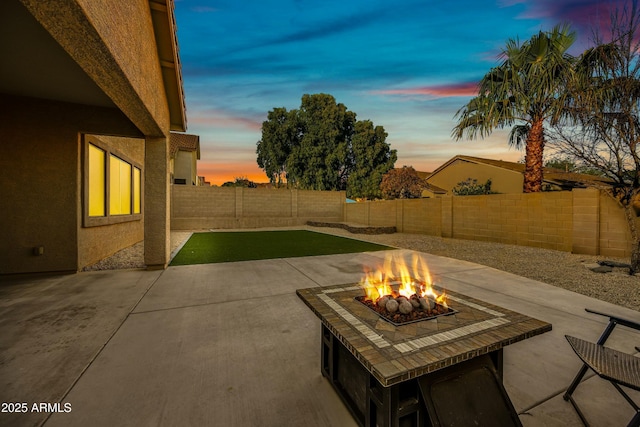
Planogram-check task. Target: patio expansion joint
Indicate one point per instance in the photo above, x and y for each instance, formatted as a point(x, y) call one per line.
point(464, 270)
point(204, 304)
point(590, 374)
point(101, 349)
point(286, 260)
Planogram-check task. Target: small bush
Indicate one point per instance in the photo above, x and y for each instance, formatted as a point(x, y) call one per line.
point(470, 187)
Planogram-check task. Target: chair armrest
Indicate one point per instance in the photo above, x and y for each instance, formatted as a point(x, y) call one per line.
point(618, 320)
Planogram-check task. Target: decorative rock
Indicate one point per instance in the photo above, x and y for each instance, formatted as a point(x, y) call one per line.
point(614, 264)
point(392, 306)
point(432, 303)
point(406, 307)
point(602, 269)
point(414, 301)
point(382, 302)
point(591, 265)
point(424, 304)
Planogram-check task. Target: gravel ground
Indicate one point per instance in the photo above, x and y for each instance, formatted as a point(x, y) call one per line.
point(133, 256)
point(561, 269)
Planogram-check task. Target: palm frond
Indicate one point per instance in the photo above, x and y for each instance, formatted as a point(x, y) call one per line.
point(518, 136)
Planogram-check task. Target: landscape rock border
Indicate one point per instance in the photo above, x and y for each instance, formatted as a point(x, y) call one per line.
point(354, 229)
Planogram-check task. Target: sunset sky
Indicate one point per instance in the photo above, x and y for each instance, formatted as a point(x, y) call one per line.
point(405, 65)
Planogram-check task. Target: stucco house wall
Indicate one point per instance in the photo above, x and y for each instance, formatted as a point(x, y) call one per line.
point(41, 187)
point(74, 68)
point(502, 180)
point(185, 167)
point(97, 242)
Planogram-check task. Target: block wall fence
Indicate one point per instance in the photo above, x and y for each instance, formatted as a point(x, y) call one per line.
point(198, 208)
point(583, 221)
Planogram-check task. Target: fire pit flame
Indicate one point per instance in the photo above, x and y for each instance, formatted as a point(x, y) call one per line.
point(400, 295)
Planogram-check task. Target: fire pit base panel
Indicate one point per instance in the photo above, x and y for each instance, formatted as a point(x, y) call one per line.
point(468, 393)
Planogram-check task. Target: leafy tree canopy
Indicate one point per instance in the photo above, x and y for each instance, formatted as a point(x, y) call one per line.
point(568, 164)
point(402, 184)
point(321, 146)
point(240, 182)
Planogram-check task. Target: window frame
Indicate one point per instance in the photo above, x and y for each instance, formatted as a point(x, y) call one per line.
point(108, 218)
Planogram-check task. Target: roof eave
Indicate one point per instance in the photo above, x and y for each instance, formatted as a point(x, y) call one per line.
point(164, 25)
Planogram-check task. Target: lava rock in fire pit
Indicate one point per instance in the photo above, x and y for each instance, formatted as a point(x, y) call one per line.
point(392, 306)
point(427, 303)
point(391, 311)
point(414, 301)
point(405, 306)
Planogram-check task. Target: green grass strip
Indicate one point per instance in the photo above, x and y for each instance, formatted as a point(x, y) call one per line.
point(205, 248)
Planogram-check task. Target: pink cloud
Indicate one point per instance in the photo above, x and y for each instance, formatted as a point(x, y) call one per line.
point(584, 15)
point(443, 91)
point(222, 119)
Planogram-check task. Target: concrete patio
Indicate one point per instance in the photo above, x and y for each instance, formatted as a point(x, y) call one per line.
point(232, 345)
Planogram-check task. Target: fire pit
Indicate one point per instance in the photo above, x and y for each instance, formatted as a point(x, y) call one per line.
point(403, 299)
point(441, 369)
point(417, 309)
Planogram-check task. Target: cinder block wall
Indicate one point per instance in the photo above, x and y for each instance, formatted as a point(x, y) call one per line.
point(584, 221)
point(383, 214)
point(195, 208)
point(542, 219)
point(357, 213)
point(422, 214)
point(614, 237)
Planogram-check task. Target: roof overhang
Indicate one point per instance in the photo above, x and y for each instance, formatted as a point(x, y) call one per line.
point(165, 28)
point(66, 60)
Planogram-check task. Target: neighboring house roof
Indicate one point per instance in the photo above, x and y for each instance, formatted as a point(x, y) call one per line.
point(434, 188)
point(572, 180)
point(512, 166)
point(558, 177)
point(423, 175)
point(184, 142)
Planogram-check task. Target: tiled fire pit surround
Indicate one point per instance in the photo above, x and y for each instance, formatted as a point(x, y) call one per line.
point(397, 353)
point(442, 371)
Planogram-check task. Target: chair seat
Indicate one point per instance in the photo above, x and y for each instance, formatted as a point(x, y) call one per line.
point(610, 364)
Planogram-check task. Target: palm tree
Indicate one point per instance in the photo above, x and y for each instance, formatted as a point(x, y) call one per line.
point(524, 91)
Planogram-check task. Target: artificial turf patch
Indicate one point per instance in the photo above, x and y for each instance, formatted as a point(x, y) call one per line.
point(204, 248)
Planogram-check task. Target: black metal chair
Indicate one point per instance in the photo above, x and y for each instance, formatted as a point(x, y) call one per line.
point(621, 369)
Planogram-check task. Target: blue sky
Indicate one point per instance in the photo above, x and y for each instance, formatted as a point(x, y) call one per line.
point(406, 65)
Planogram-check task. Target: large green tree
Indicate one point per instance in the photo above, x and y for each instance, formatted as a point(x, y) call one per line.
point(523, 92)
point(279, 136)
point(371, 157)
point(321, 146)
point(321, 159)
